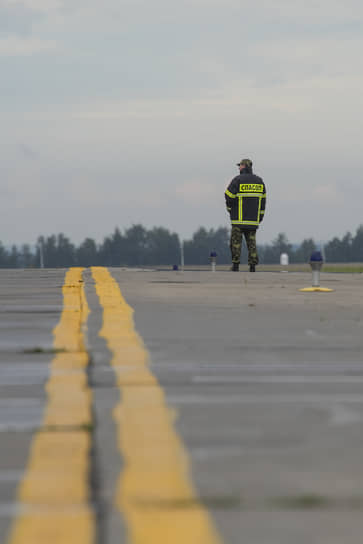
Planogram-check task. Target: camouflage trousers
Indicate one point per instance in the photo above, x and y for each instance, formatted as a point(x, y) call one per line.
point(236, 242)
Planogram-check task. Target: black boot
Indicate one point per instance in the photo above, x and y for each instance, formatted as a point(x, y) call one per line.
point(252, 268)
point(235, 267)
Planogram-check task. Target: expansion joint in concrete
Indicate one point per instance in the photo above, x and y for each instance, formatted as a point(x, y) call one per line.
point(95, 484)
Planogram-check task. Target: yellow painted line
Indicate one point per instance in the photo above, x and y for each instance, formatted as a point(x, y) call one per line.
point(155, 492)
point(316, 290)
point(54, 494)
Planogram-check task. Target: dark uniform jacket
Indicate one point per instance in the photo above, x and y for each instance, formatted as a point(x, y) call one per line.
point(246, 200)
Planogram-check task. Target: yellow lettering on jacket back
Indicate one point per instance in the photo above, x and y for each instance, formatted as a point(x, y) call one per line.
point(250, 188)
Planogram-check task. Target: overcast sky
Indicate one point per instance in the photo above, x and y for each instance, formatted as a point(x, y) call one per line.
point(136, 111)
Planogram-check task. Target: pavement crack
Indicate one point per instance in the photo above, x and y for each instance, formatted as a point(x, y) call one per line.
point(95, 472)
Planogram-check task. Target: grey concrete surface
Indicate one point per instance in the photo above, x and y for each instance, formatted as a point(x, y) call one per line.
point(30, 307)
point(267, 383)
point(107, 462)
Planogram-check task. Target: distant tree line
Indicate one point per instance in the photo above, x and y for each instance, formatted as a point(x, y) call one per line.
point(137, 246)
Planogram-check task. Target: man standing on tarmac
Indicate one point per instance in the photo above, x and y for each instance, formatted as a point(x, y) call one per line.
point(246, 202)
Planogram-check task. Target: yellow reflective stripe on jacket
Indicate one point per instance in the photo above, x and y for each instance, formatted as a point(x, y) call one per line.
point(241, 196)
point(254, 195)
point(259, 208)
point(231, 195)
point(237, 222)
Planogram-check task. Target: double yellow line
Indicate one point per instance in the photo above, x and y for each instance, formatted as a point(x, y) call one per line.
point(54, 494)
point(154, 493)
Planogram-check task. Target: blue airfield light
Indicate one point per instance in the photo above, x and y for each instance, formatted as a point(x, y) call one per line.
point(316, 262)
point(316, 256)
point(213, 259)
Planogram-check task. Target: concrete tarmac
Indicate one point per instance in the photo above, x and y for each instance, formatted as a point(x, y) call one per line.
point(30, 306)
point(265, 383)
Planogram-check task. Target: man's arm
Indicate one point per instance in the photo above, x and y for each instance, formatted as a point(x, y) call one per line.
point(263, 204)
point(230, 195)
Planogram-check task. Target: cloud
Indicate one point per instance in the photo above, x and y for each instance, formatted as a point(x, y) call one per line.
point(301, 58)
point(16, 46)
point(312, 11)
point(27, 151)
point(193, 192)
point(42, 6)
point(326, 194)
point(168, 96)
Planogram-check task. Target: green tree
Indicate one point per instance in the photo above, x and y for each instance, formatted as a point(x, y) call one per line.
point(26, 257)
point(113, 250)
point(65, 251)
point(162, 247)
point(333, 250)
point(135, 250)
point(339, 251)
point(279, 245)
point(58, 251)
point(219, 241)
point(13, 257)
point(303, 252)
point(49, 246)
point(196, 250)
point(87, 253)
point(357, 245)
point(3, 256)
